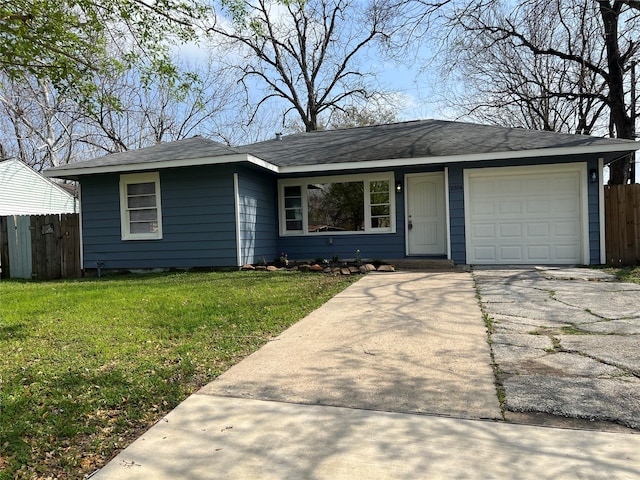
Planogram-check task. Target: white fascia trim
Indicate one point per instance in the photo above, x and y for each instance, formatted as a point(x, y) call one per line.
point(189, 162)
point(334, 167)
point(407, 162)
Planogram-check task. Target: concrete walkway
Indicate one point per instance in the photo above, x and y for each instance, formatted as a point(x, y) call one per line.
point(389, 379)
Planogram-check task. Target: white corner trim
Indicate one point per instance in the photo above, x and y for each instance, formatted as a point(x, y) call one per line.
point(236, 203)
point(584, 196)
point(447, 212)
point(405, 220)
point(601, 213)
point(79, 202)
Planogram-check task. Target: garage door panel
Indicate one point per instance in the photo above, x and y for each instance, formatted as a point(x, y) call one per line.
point(485, 231)
point(567, 229)
point(565, 206)
point(524, 215)
point(485, 254)
point(538, 253)
point(538, 229)
point(511, 254)
point(510, 230)
point(538, 207)
point(566, 253)
point(510, 208)
point(484, 208)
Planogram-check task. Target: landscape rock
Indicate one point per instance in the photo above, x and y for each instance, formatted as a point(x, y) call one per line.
point(386, 268)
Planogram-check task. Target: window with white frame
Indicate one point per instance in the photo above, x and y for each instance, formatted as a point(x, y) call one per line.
point(140, 212)
point(337, 204)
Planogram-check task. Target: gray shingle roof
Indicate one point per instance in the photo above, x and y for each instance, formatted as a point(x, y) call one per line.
point(405, 140)
point(188, 148)
point(423, 138)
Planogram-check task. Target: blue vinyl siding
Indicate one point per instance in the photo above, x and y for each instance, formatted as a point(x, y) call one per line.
point(456, 214)
point(258, 216)
point(594, 217)
point(344, 247)
point(198, 215)
point(199, 220)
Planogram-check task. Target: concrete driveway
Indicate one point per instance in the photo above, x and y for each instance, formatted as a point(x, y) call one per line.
point(408, 342)
point(566, 343)
point(390, 379)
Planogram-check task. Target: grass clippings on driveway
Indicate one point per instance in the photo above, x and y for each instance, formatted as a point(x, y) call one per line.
point(87, 366)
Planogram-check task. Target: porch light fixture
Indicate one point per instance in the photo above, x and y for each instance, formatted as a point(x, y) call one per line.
point(398, 186)
point(593, 175)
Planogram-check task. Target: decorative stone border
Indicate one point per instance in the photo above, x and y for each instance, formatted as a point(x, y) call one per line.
point(344, 269)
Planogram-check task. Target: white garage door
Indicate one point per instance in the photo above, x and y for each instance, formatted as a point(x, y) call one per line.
point(525, 215)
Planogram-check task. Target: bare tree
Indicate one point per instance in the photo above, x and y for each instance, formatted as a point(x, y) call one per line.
point(307, 52)
point(202, 99)
point(557, 64)
point(37, 125)
point(507, 85)
point(44, 128)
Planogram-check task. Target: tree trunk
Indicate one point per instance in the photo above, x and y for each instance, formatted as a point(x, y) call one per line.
point(623, 123)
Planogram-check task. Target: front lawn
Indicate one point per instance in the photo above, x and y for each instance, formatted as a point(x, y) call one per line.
point(87, 366)
point(628, 274)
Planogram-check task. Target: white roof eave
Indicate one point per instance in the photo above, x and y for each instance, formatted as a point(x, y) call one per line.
point(385, 163)
point(447, 159)
point(137, 167)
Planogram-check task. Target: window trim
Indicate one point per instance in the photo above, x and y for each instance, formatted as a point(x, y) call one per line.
point(125, 225)
point(366, 178)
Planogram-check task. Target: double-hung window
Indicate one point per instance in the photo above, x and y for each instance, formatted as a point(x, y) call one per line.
point(337, 204)
point(140, 212)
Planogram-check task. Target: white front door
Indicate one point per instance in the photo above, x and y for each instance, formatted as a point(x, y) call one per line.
point(426, 210)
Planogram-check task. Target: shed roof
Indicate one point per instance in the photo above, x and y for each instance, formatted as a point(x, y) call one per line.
point(404, 143)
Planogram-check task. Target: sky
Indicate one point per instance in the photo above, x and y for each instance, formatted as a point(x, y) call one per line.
point(417, 84)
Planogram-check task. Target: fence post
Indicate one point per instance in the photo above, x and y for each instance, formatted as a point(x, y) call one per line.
point(5, 268)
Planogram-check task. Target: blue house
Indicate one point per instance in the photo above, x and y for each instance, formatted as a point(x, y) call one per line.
point(473, 194)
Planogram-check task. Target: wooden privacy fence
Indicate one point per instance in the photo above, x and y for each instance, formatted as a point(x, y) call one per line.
point(622, 224)
point(40, 247)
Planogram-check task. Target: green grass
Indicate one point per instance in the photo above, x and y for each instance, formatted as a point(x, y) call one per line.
point(628, 274)
point(87, 366)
